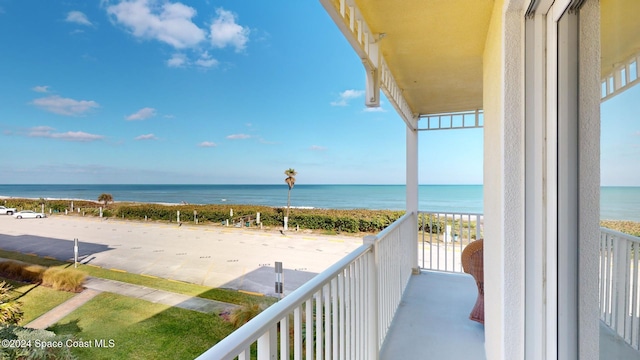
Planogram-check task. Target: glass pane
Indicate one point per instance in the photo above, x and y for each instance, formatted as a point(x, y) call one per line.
point(620, 180)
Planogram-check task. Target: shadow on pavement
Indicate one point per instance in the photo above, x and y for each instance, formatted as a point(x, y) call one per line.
point(262, 280)
point(60, 249)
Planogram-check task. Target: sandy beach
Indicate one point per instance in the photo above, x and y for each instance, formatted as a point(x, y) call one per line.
point(214, 256)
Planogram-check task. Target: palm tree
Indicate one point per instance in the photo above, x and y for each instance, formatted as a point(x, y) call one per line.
point(290, 180)
point(10, 311)
point(105, 198)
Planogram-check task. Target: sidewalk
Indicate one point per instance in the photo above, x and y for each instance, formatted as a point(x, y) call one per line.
point(95, 286)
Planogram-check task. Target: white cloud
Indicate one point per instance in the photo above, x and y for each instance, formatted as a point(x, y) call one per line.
point(206, 60)
point(226, 32)
point(238, 136)
point(142, 114)
point(78, 17)
point(166, 22)
point(48, 132)
point(146, 137)
point(346, 96)
point(317, 148)
point(207, 144)
point(374, 109)
point(65, 106)
point(177, 60)
point(41, 88)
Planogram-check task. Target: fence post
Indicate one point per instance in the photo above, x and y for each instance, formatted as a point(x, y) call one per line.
point(372, 346)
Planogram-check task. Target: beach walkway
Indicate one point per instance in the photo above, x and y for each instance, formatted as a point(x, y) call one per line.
point(95, 286)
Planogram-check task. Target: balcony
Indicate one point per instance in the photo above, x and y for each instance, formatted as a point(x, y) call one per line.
point(369, 305)
point(433, 318)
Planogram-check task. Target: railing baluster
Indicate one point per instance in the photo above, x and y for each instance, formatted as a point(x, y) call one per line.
point(334, 318)
point(297, 333)
point(362, 289)
point(309, 328)
point(343, 320)
point(634, 301)
point(319, 338)
point(619, 288)
point(245, 355)
point(347, 313)
point(284, 338)
point(449, 234)
point(267, 344)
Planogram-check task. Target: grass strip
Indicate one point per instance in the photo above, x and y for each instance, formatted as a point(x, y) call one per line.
point(225, 295)
point(36, 299)
point(137, 329)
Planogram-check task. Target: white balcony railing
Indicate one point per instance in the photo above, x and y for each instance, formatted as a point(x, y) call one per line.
point(619, 287)
point(343, 313)
point(443, 236)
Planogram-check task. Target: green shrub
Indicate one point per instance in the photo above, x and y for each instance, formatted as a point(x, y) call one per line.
point(27, 335)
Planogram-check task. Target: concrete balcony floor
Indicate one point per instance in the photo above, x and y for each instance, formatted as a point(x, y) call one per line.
point(613, 347)
point(432, 321)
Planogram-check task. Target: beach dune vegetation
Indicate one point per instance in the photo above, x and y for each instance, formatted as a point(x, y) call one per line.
point(368, 221)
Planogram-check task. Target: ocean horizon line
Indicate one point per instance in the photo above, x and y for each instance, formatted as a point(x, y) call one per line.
point(617, 202)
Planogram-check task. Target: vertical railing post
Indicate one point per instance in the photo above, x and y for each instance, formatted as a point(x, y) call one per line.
point(372, 301)
point(621, 270)
point(267, 345)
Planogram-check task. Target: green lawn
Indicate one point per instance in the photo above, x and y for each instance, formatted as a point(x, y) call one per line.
point(140, 329)
point(36, 299)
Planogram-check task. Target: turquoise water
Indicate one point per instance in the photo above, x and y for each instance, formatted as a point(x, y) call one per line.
point(618, 203)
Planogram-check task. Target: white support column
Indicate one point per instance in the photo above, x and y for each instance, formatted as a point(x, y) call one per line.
point(535, 176)
point(412, 191)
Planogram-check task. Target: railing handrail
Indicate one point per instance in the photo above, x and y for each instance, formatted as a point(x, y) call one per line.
point(620, 234)
point(246, 335)
point(449, 212)
point(393, 226)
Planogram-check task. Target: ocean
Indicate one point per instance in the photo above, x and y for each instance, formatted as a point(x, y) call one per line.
point(617, 203)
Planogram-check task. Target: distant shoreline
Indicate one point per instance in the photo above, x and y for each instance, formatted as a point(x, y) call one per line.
point(617, 202)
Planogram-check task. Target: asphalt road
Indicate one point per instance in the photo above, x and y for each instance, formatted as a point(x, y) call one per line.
point(215, 256)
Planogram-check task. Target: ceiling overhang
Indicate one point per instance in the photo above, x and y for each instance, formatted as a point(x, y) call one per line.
point(425, 55)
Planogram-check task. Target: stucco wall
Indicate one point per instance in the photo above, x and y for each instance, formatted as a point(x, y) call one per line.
point(493, 196)
point(504, 182)
point(589, 194)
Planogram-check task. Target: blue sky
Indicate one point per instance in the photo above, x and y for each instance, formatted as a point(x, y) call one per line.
point(200, 92)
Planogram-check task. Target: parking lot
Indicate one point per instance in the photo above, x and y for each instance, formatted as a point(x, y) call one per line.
point(215, 256)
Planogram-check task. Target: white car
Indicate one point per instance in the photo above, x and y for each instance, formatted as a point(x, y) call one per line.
point(28, 214)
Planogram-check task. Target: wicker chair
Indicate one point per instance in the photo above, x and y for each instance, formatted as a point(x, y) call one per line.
point(472, 263)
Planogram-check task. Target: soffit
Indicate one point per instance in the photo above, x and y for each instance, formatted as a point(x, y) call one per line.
point(620, 26)
point(433, 48)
